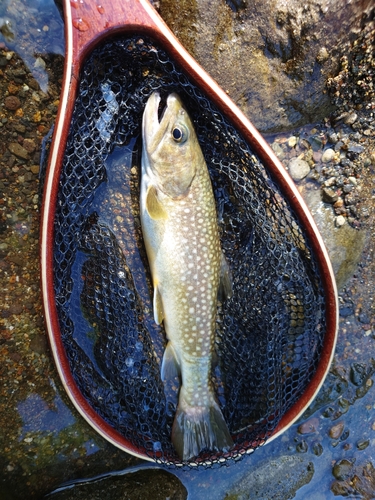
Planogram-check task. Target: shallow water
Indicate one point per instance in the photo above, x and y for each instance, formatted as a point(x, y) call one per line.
point(41, 430)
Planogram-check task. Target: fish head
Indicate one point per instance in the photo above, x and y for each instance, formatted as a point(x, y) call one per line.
point(170, 146)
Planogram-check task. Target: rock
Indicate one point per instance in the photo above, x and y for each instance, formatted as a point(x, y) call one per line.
point(269, 55)
point(359, 481)
point(277, 479)
point(342, 469)
point(329, 195)
point(344, 244)
point(336, 431)
point(18, 150)
point(12, 103)
point(155, 484)
point(339, 221)
point(350, 118)
point(328, 155)
point(309, 427)
point(298, 168)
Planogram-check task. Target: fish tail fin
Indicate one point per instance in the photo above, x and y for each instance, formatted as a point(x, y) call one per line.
point(196, 428)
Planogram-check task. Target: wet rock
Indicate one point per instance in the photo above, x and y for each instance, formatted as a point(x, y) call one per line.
point(328, 155)
point(339, 221)
point(358, 373)
point(268, 55)
point(363, 444)
point(277, 479)
point(350, 118)
point(317, 449)
point(329, 195)
point(344, 244)
point(309, 427)
point(342, 469)
point(360, 482)
point(298, 168)
point(155, 484)
point(336, 431)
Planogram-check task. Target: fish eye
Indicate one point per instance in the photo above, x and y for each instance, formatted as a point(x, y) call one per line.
point(179, 133)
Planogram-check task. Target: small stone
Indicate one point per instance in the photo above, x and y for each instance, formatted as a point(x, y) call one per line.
point(353, 181)
point(29, 145)
point(317, 449)
point(329, 195)
point(298, 168)
point(37, 117)
point(358, 374)
point(339, 203)
point(363, 318)
point(322, 56)
point(333, 138)
point(363, 444)
point(330, 182)
point(336, 431)
point(18, 150)
point(355, 148)
point(12, 102)
point(34, 169)
point(342, 469)
point(278, 150)
point(339, 221)
point(347, 188)
point(350, 118)
point(302, 447)
point(309, 427)
point(39, 63)
point(292, 141)
point(328, 155)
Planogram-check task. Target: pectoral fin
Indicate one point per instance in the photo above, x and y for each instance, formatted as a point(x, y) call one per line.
point(170, 367)
point(225, 286)
point(154, 208)
point(158, 306)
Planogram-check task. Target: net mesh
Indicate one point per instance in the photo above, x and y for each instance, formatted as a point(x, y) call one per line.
point(269, 334)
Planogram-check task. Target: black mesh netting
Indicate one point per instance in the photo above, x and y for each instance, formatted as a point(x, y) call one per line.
point(269, 334)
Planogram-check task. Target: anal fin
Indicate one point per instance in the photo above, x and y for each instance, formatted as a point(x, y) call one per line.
point(170, 367)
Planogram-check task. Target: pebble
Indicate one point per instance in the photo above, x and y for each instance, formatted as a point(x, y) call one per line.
point(329, 195)
point(309, 427)
point(363, 444)
point(12, 102)
point(34, 169)
point(298, 168)
point(39, 63)
point(328, 155)
point(342, 469)
point(340, 221)
point(336, 431)
point(292, 141)
point(18, 150)
point(278, 150)
point(350, 118)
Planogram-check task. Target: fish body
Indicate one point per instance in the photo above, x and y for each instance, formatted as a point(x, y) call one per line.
point(188, 269)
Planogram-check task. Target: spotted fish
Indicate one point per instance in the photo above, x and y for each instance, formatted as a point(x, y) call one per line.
point(188, 269)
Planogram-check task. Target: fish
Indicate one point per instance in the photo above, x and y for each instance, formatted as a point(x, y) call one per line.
point(188, 269)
